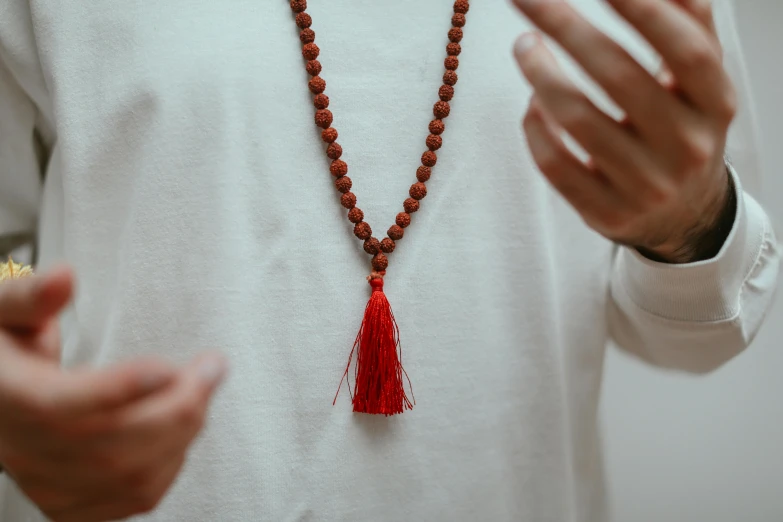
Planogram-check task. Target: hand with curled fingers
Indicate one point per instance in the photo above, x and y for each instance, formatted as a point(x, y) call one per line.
point(657, 180)
point(90, 445)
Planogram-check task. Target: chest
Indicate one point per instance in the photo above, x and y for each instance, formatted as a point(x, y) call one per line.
point(389, 54)
point(196, 115)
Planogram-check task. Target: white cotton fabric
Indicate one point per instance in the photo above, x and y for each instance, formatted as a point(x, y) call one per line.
point(187, 185)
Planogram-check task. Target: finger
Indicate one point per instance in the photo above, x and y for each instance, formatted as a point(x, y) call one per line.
point(702, 11)
point(44, 342)
point(98, 511)
point(48, 342)
point(155, 481)
point(94, 513)
point(161, 425)
point(614, 149)
point(100, 463)
point(27, 303)
point(157, 486)
point(86, 392)
point(182, 407)
point(651, 109)
point(133, 493)
point(576, 183)
point(690, 51)
point(47, 493)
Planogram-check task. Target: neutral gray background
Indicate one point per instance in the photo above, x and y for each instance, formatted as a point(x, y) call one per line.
point(710, 449)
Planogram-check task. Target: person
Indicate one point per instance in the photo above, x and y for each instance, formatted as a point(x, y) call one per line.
point(165, 159)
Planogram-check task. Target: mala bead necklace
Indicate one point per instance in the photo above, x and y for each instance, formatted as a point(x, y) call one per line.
point(379, 386)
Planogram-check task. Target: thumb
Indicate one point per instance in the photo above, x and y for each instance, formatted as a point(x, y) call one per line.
point(28, 303)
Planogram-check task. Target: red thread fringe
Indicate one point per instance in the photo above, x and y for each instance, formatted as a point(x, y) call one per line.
point(379, 373)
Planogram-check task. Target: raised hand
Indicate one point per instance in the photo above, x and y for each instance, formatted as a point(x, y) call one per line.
point(657, 180)
point(90, 445)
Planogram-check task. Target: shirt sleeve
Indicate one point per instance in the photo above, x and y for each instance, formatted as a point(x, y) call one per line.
point(20, 171)
point(695, 317)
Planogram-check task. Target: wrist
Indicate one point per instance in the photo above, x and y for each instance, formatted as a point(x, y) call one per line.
point(705, 239)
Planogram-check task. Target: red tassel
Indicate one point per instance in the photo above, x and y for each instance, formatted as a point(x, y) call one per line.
point(379, 373)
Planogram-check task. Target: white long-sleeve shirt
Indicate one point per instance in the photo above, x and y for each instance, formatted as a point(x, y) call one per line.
point(187, 185)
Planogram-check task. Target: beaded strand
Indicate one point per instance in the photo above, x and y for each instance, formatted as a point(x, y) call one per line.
point(339, 168)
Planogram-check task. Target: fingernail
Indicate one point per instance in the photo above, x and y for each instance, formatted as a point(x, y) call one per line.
point(212, 369)
point(525, 43)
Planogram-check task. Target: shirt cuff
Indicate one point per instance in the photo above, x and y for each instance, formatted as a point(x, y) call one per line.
point(704, 291)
